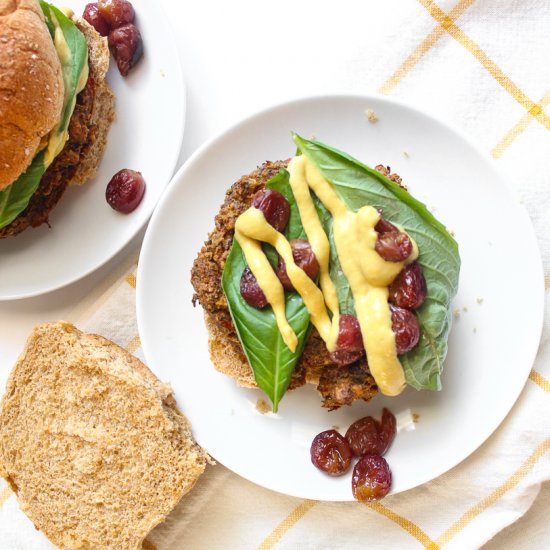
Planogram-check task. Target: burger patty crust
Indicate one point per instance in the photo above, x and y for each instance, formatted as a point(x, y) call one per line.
point(82, 135)
point(337, 385)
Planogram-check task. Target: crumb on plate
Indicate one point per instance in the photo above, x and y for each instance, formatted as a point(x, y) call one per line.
point(262, 406)
point(371, 116)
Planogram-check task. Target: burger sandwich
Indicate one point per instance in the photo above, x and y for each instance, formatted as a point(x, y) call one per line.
point(321, 269)
point(55, 109)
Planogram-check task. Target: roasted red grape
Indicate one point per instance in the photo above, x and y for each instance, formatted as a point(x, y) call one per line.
point(409, 289)
point(384, 226)
point(405, 327)
point(331, 453)
point(251, 291)
point(125, 190)
point(364, 436)
point(371, 479)
point(349, 346)
point(274, 206)
point(304, 258)
point(368, 436)
point(388, 428)
point(126, 46)
point(98, 22)
point(116, 12)
point(394, 246)
point(349, 334)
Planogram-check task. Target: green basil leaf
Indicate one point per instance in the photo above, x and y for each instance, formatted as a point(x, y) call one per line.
point(343, 290)
point(15, 198)
point(71, 68)
point(270, 359)
point(294, 228)
point(358, 185)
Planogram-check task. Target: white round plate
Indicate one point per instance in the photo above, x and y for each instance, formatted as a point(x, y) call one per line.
point(492, 344)
point(146, 136)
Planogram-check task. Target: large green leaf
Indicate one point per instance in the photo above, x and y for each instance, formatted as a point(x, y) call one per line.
point(271, 360)
point(358, 185)
point(343, 289)
point(15, 198)
point(72, 67)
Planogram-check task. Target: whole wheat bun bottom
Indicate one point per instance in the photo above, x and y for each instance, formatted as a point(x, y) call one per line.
point(92, 443)
point(103, 113)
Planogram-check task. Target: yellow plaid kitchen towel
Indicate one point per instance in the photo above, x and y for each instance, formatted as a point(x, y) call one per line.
point(483, 65)
point(462, 509)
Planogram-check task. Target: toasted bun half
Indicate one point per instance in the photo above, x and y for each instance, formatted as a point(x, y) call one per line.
point(31, 86)
point(103, 113)
point(92, 443)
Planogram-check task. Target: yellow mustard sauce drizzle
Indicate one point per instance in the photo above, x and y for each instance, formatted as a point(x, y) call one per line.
point(57, 138)
point(319, 243)
point(368, 274)
point(251, 228)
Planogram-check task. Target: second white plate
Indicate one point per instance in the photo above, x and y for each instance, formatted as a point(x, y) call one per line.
point(146, 136)
point(499, 308)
